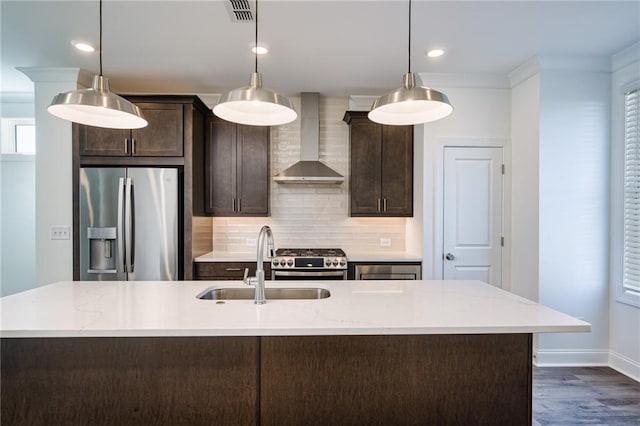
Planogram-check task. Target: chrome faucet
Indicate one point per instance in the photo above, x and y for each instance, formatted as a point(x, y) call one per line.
point(265, 232)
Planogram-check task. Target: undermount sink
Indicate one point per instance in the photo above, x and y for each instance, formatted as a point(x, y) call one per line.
point(273, 293)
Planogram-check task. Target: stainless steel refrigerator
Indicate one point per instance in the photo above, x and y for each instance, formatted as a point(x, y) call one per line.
point(129, 225)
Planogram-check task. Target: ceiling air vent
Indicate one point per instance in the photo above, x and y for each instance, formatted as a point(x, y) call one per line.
point(240, 10)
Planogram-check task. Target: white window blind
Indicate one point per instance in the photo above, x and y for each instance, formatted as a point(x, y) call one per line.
point(632, 191)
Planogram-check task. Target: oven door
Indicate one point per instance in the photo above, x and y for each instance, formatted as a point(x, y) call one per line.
point(309, 274)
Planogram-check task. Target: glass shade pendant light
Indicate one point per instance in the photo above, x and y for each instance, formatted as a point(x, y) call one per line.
point(97, 106)
point(253, 104)
point(410, 104)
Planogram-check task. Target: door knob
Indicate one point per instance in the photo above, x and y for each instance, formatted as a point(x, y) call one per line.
point(449, 256)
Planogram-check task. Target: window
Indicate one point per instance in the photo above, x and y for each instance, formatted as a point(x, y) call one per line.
point(18, 136)
point(631, 278)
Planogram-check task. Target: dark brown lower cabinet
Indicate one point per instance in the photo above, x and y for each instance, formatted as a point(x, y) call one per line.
point(396, 380)
point(288, 380)
point(227, 271)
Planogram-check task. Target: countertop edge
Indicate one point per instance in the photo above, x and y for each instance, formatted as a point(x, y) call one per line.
point(15, 334)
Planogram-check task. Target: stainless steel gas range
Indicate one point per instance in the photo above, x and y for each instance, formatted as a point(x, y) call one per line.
point(309, 264)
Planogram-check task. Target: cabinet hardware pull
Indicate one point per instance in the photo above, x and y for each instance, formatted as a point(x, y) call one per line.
point(378, 204)
point(133, 146)
point(384, 204)
point(233, 269)
point(233, 205)
point(126, 145)
point(239, 208)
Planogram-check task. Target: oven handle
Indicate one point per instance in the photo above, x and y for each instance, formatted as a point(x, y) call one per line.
point(309, 273)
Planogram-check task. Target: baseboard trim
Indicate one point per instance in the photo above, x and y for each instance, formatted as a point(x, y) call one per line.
point(624, 365)
point(563, 358)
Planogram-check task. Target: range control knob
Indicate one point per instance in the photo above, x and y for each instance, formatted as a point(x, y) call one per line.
point(327, 262)
point(289, 262)
point(342, 262)
point(335, 262)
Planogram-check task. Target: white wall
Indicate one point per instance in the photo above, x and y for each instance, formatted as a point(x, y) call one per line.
point(54, 199)
point(560, 156)
point(17, 224)
point(17, 206)
point(525, 119)
point(481, 117)
point(574, 211)
point(624, 322)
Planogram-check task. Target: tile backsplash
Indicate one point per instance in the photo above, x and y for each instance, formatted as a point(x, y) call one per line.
point(309, 215)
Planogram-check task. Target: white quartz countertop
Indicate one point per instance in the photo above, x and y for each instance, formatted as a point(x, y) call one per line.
point(77, 309)
point(391, 256)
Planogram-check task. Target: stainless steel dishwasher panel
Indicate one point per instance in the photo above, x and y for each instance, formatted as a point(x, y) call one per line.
point(388, 272)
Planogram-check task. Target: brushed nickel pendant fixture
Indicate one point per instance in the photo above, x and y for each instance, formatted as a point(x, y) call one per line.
point(97, 106)
point(410, 104)
point(253, 104)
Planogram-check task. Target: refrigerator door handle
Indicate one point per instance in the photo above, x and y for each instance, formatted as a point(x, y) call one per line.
point(129, 229)
point(120, 227)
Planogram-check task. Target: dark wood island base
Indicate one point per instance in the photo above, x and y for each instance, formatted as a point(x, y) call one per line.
point(276, 380)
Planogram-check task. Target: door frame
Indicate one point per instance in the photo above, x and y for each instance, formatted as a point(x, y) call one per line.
point(434, 205)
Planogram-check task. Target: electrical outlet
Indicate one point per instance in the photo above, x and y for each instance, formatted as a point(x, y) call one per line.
point(60, 232)
point(385, 242)
point(251, 242)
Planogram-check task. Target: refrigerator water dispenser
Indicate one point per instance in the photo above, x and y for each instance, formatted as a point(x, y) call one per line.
point(102, 250)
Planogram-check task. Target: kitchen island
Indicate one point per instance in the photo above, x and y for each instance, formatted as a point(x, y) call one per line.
point(387, 352)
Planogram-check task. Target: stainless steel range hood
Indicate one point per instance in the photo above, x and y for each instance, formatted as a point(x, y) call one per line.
point(309, 169)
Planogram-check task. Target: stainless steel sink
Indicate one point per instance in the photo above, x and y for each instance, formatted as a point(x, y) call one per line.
point(273, 293)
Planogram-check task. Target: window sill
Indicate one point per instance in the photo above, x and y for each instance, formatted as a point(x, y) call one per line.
point(628, 297)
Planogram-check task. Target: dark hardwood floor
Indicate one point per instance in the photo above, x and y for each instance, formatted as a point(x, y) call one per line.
point(584, 396)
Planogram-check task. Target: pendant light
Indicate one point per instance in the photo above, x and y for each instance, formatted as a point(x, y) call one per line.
point(253, 104)
point(97, 106)
point(410, 104)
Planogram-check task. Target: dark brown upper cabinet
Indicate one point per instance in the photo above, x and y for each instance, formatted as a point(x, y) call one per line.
point(237, 169)
point(381, 181)
point(163, 137)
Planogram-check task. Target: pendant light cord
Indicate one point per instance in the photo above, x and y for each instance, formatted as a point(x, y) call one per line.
point(255, 47)
point(409, 36)
point(100, 45)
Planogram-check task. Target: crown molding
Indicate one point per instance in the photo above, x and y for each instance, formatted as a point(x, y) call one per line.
point(57, 75)
point(209, 99)
point(559, 63)
point(625, 57)
point(361, 102)
point(464, 80)
point(441, 81)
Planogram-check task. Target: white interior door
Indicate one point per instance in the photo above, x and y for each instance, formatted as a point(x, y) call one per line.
point(472, 241)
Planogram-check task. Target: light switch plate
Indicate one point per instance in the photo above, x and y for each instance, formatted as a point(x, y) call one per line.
point(60, 232)
point(251, 242)
point(385, 242)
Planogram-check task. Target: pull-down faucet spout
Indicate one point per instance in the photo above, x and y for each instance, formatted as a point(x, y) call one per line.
point(265, 232)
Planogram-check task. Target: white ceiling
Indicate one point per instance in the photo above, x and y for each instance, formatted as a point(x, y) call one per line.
point(337, 48)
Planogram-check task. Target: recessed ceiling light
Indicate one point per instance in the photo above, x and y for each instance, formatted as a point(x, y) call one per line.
point(83, 46)
point(259, 50)
point(435, 53)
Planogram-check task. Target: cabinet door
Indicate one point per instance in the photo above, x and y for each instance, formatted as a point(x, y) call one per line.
point(397, 171)
point(220, 168)
point(253, 171)
point(103, 142)
point(366, 156)
point(163, 137)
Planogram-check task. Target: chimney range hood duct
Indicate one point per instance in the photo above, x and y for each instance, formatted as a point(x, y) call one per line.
point(309, 169)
